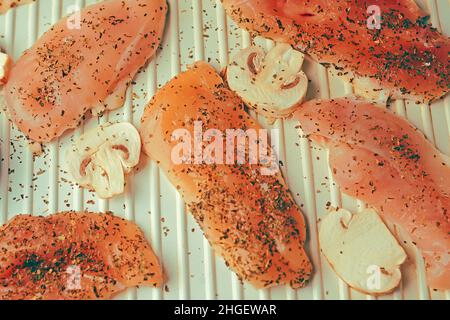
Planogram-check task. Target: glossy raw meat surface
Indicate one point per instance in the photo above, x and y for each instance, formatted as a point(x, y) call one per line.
point(74, 256)
point(248, 216)
point(381, 159)
point(5, 5)
point(406, 56)
point(198, 30)
point(81, 65)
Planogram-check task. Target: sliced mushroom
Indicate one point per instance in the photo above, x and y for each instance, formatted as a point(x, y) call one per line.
point(272, 83)
point(100, 158)
point(361, 250)
point(5, 65)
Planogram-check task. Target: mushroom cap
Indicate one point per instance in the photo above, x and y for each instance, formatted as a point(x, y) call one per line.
point(101, 157)
point(272, 83)
point(361, 250)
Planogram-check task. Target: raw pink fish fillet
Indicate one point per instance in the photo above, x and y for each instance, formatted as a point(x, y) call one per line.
point(406, 57)
point(381, 159)
point(72, 69)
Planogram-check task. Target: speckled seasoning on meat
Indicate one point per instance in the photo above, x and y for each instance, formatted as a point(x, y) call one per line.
point(250, 219)
point(70, 71)
point(5, 5)
point(406, 57)
point(40, 257)
point(383, 160)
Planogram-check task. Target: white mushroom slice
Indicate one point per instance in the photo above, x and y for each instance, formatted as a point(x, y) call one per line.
point(271, 83)
point(5, 65)
point(361, 250)
point(100, 158)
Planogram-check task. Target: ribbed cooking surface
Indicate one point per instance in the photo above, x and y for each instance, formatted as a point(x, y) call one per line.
point(197, 30)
